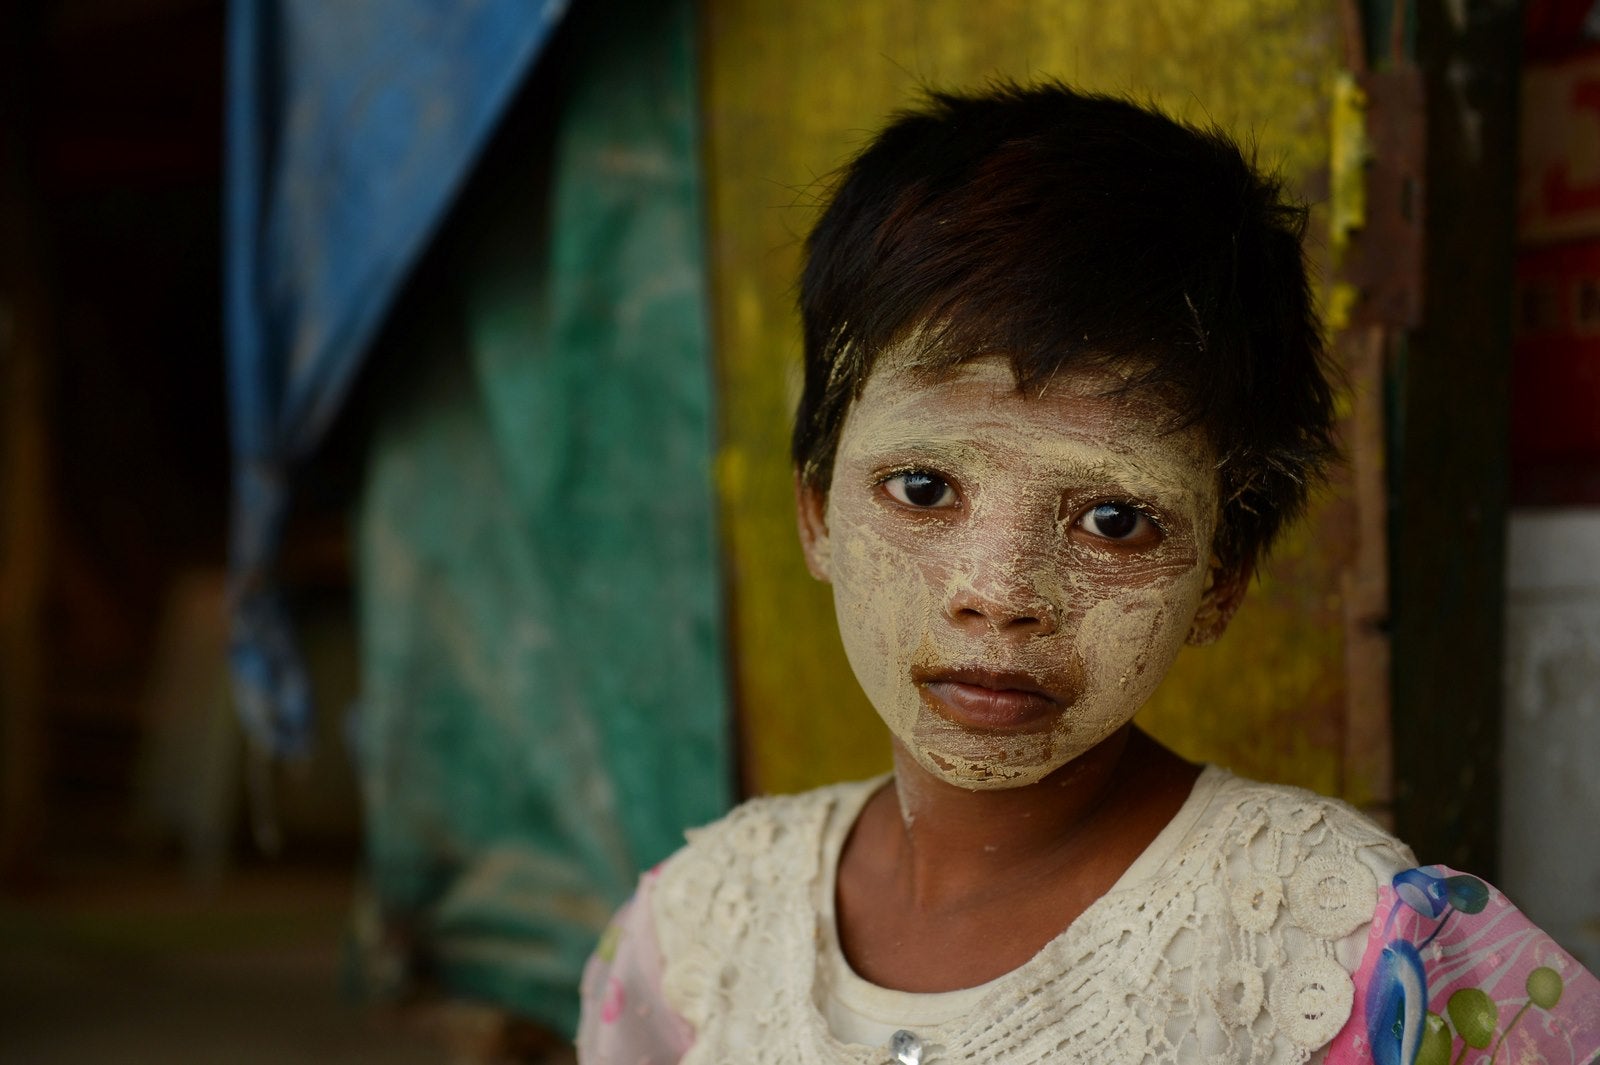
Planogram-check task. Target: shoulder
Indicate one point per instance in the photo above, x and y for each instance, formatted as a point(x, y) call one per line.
point(765, 848)
point(1283, 884)
point(1447, 952)
point(1285, 826)
point(735, 908)
point(1300, 867)
point(768, 819)
point(764, 826)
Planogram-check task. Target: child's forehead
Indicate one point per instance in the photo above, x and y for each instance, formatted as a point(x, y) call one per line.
point(1078, 401)
point(1082, 421)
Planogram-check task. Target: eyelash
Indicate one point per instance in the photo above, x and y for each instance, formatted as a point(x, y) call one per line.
point(887, 479)
point(1132, 504)
point(1144, 511)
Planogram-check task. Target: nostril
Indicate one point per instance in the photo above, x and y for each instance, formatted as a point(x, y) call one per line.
point(1001, 621)
point(1001, 608)
point(1033, 623)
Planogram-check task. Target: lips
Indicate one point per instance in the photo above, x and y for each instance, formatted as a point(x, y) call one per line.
point(989, 700)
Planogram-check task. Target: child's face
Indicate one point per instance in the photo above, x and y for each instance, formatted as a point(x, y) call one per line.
point(1013, 575)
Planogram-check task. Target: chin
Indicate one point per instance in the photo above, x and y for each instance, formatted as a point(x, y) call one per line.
point(996, 762)
point(986, 772)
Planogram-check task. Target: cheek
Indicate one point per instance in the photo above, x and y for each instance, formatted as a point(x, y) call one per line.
point(1127, 642)
point(881, 595)
point(884, 601)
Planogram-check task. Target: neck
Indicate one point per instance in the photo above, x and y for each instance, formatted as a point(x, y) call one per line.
point(1099, 810)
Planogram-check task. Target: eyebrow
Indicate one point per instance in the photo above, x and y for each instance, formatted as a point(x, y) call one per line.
point(1126, 475)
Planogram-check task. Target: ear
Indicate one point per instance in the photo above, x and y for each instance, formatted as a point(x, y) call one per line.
point(1219, 600)
point(811, 514)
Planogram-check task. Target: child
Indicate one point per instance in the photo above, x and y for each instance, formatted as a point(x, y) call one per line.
point(1064, 385)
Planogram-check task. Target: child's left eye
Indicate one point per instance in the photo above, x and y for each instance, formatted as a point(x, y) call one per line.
point(1126, 525)
point(920, 489)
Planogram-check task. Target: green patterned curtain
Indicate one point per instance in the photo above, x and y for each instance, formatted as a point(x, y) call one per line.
point(544, 706)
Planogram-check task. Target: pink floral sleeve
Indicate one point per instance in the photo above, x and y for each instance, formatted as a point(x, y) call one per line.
point(625, 1020)
point(1454, 973)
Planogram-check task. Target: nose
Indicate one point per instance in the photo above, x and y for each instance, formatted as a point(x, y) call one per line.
point(1003, 600)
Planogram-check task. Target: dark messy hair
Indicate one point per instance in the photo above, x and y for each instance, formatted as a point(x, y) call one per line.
point(1065, 229)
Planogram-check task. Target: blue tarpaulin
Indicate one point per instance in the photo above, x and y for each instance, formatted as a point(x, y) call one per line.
point(543, 704)
point(351, 127)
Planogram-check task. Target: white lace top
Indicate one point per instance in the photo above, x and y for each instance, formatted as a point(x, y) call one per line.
point(859, 1011)
point(1231, 939)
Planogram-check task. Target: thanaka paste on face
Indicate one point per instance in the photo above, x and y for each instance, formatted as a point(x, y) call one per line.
point(920, 592)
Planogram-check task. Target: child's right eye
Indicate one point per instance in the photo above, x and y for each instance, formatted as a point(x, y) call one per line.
point(920, 489)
